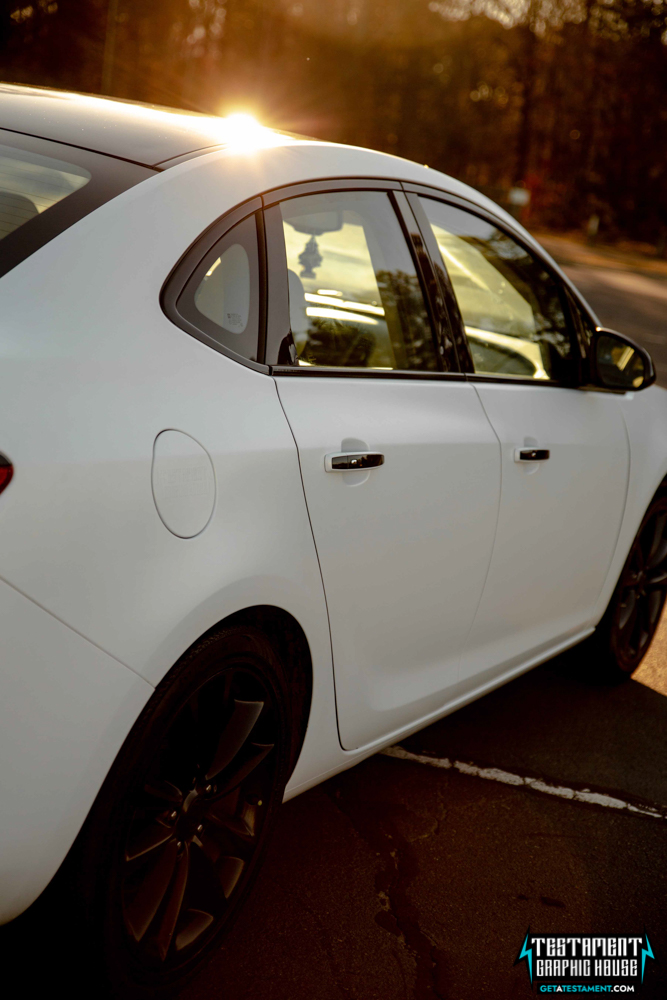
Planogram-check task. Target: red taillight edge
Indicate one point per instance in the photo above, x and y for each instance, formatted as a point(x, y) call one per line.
point(6, 472)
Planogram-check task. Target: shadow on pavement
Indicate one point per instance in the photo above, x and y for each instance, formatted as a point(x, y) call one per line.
point(396, 881)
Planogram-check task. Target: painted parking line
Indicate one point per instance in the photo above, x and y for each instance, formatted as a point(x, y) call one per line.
point(535, 784)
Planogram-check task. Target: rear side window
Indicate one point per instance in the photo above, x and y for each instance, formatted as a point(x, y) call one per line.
point(222, 297)
point(30, 184)
point(355, 299)
point(45, 187)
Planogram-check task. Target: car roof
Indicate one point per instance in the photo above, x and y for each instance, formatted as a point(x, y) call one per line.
point(143, 133)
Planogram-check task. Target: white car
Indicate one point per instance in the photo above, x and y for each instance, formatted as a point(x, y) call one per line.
point(303, 447)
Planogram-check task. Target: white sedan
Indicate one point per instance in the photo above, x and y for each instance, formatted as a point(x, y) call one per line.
point(303, 447)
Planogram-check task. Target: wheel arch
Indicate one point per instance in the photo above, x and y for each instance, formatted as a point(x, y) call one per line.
point(290, 644)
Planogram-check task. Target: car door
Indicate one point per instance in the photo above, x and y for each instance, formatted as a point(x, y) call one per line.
point(400, 465)
point(565, 454)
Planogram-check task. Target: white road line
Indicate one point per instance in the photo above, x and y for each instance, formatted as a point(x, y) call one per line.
point(537, 785)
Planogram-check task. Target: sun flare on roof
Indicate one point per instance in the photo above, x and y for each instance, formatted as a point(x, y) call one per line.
point(242, 131)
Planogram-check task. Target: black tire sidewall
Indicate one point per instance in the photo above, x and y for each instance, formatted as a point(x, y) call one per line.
point(615, 667)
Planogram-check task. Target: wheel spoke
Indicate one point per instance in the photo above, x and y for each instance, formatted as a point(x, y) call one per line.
point(658, 546)
point(147, 839)
point(627, 609)
point(256, 754)
point(654, 602)
point(197, 922)
point(234, 735)
point(164, 790)
point(242, 826)
point(659, 556)
point(174, 903)
point(229, 871)
point(657, 578)
point(141, 911)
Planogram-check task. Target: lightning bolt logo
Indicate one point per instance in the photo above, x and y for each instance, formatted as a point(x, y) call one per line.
point(527, 953)
point(647, 952)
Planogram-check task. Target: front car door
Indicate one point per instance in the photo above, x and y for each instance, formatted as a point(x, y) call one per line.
point(565, 453)
point(404, 545)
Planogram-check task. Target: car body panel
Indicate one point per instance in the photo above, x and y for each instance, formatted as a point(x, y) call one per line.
point(404, 548)
point(645, 416)
point(65, 709)
point(128, 130)
point(91, 372)
point(559, 519)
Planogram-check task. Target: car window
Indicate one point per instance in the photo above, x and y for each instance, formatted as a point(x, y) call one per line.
point(30, 184)
point(355, 299)
point(511, 306)
point(45, 187)
point(222, 297)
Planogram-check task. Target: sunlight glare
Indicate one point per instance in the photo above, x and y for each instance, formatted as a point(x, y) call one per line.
point(244, 132)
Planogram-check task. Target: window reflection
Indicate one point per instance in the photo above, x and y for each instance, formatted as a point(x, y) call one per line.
point(510, 305)
point(355, 299)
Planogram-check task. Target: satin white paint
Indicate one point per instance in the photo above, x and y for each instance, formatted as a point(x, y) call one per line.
point(183, 483)
point(559, 519)
point(404, 552)
point(99, 599)
point(65, 709)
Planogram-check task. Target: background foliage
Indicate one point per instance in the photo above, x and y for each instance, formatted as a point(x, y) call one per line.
point(566, 96)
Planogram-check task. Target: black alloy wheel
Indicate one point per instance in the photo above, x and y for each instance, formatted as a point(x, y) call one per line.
point(196, 821)
point(634, 613)
point(179, 829)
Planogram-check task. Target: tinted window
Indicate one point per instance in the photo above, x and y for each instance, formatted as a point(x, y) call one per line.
point(45, 187)
point(30, 184)
point(354, 296)
point(511, 306)
point(222, 297)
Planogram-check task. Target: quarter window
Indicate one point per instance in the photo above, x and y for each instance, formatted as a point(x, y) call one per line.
point(355, 299)
point(510, 305)
point(222, 297)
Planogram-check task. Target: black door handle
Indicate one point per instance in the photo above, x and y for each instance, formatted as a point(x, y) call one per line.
point(531, 454)
point(351, 461)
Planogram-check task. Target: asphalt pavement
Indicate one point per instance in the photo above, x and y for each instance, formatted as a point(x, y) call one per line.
point(397, 880)
point(628, 291)
point(407, 879)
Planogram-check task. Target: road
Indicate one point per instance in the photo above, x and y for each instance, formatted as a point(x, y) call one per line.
point(628, 292)
point(400, 880)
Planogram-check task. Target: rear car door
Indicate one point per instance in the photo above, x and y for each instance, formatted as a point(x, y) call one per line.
point(400, 465)
point(565, 454)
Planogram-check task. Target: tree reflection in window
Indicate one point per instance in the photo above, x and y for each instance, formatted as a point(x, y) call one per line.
point(356, 301)
point(510, 305)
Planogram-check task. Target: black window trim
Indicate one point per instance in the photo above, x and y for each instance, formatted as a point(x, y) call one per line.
point(301, 188)
point(441, 327)
point(274, 322)
point(321, 371)
point(449, 301)
point(562, 282)
point(184, 269)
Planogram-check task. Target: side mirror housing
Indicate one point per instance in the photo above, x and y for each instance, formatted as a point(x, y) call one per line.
point(619, 363)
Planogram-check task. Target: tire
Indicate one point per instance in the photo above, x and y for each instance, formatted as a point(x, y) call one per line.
point(176, 836)
point(624, 635)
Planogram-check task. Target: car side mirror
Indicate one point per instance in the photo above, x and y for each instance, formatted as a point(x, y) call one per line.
point(618, 363)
